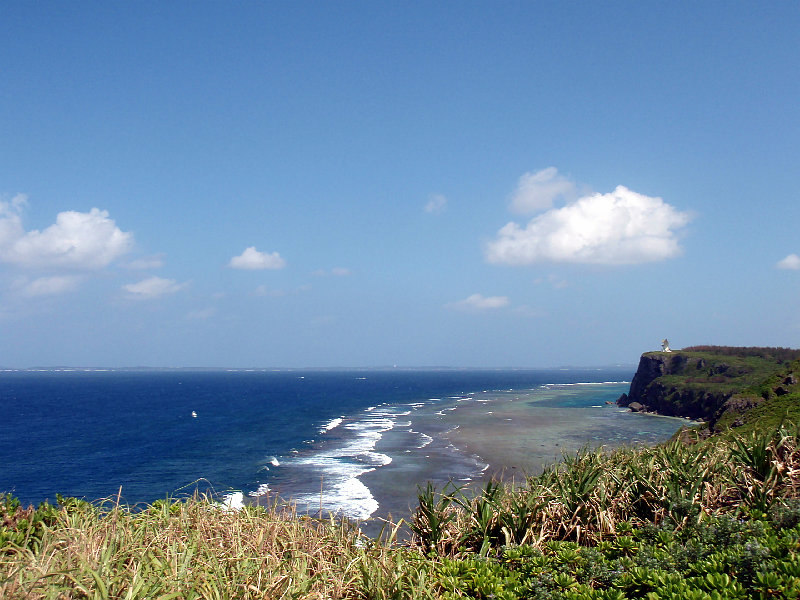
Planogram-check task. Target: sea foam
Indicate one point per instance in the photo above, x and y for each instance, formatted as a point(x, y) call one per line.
point(332, 424)
point(338, 467)
point(233, 501)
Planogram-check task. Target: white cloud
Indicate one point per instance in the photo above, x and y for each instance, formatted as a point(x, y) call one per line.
point(478, 302)
point(49, 286)
point(253, 259)
point(147, 262)
point(790, 262)
point(76, 240)
point(622, 227)
point(539, 191)
point(436, 204)
point(153, 287)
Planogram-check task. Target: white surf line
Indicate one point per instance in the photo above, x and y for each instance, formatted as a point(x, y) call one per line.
point(332, 424)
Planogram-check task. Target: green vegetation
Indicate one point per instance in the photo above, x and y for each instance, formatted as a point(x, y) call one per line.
point(714, 383)
point(767, 353)
point(720, 376)
point(715, 517)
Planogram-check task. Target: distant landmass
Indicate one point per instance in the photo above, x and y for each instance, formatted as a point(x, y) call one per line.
point(724, 386)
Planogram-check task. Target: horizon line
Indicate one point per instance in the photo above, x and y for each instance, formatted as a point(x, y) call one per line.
point(316, 368)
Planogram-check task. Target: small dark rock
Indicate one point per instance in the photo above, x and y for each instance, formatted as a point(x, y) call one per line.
point(636, 406)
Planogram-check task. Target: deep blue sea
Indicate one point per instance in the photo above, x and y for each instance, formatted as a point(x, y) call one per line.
point(352, 442)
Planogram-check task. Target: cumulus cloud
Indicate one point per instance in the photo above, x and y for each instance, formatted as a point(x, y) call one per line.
point(478, 302)
point(153, 287)
point(49, 286)
point(621, 227)
point(253, 259)
point(790, 262)
point(10, 219)
point(76, 240)
point(539, 191)
point(436, 204)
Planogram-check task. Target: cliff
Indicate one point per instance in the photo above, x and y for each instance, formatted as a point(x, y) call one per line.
point(713, 384)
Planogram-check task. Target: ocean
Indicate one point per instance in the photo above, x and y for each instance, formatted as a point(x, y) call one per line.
point(353, 442)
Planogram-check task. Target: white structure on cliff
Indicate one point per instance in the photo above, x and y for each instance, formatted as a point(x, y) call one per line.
point(665, 345)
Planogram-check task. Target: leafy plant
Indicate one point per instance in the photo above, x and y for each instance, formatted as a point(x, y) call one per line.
point(433, 514)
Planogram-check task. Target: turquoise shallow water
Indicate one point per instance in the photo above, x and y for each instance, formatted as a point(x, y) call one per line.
point(506, 434)
point(355, 443)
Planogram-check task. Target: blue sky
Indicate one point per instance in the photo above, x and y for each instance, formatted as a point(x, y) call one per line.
point(485, 184)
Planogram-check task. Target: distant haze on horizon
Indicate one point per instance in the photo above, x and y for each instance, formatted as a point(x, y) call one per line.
point(358, 184)
point(333, 369)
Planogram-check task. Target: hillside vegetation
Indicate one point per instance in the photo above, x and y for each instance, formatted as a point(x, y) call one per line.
point(716, 384)
point(715, 517)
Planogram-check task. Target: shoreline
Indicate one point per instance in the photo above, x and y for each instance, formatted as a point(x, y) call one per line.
point(508, 435)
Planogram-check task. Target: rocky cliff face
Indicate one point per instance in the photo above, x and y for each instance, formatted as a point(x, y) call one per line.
point(649, 392)
point(718, 384)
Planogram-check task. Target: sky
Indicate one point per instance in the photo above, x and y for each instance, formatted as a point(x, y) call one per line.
point(368, 184)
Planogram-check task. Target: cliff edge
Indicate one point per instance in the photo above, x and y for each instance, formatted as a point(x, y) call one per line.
point(712, 383)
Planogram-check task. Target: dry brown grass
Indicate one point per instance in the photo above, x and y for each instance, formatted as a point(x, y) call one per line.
point(196, 549)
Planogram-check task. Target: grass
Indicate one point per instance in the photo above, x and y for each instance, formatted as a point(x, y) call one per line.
point(721, 374)
point(584, 498)
point(769, 414)
point(196, 549)
point(718, 518)
point(673, 521)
